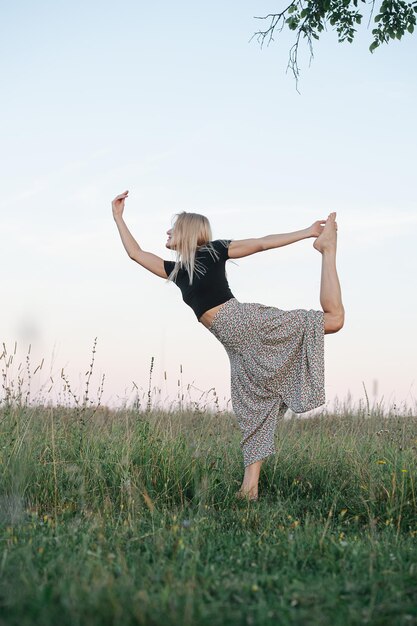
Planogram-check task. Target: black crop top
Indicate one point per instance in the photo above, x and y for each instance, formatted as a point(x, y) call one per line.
point(210, 288)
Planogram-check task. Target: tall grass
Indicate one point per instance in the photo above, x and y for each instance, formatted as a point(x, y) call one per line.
point(129, 517)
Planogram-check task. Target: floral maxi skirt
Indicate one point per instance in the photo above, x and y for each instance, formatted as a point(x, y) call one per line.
point(276, 362)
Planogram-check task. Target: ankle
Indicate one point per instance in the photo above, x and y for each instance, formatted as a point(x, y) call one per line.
point(329, 250)
point(250, 483)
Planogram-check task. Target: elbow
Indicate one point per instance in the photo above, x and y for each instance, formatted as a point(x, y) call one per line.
point(263, 244)
point(134, 254)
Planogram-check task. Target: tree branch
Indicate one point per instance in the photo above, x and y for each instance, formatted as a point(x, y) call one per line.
point(310, 17)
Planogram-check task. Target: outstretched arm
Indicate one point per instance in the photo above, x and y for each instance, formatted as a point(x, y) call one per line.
point(150, 261)
point(245, 247)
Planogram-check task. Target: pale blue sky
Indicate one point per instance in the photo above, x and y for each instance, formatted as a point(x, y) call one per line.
point(173, 102)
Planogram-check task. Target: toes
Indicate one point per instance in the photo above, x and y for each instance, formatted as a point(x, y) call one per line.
point(332, 220)
point(246, 495)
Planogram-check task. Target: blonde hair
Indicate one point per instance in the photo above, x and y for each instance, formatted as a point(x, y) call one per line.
point(191, 231)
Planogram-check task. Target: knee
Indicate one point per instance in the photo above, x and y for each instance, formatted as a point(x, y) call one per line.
point(334, 322)
point(340, 322)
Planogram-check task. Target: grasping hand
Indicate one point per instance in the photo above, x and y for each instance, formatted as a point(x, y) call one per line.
point(317, 228)
point(118, 204)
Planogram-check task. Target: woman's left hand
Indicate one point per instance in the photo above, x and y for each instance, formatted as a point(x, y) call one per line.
point(317, 228)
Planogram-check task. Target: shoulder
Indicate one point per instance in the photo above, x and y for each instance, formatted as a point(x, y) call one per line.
point(221, 243)
point(169, 266)
point(220, 247)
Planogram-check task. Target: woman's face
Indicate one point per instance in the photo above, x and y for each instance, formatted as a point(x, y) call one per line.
point(169, 243)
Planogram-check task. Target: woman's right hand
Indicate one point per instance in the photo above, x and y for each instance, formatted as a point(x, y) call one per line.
point(118, 204)
point(317, 228)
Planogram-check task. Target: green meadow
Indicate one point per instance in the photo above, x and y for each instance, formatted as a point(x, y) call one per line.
point(129, 517)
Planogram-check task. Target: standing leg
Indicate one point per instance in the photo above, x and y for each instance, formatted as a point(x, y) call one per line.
point(330, 293)
point(260, 444)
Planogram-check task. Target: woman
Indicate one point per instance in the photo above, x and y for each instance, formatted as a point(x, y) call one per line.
point(276, 357)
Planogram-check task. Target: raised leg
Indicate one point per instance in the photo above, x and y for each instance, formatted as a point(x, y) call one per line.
point(330, 292)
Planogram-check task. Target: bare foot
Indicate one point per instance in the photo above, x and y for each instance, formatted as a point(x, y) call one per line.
point(251, 494)
point(248, 490)
point(326, 241)
point(249, 486)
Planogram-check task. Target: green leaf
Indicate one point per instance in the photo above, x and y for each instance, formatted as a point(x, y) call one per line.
point(373, 46)
point(291, 9)
point(410, 28)
point(292, 23)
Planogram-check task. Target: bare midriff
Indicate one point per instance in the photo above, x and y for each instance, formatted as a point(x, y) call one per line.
point(207, 317)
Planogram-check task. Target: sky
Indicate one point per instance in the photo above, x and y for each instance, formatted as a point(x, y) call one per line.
point(177, 103)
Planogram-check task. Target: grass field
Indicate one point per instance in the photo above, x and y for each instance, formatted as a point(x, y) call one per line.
point(122, 517)
point(127, 517)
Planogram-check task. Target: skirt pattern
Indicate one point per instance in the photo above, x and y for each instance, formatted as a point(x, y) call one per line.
point(276, 362)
